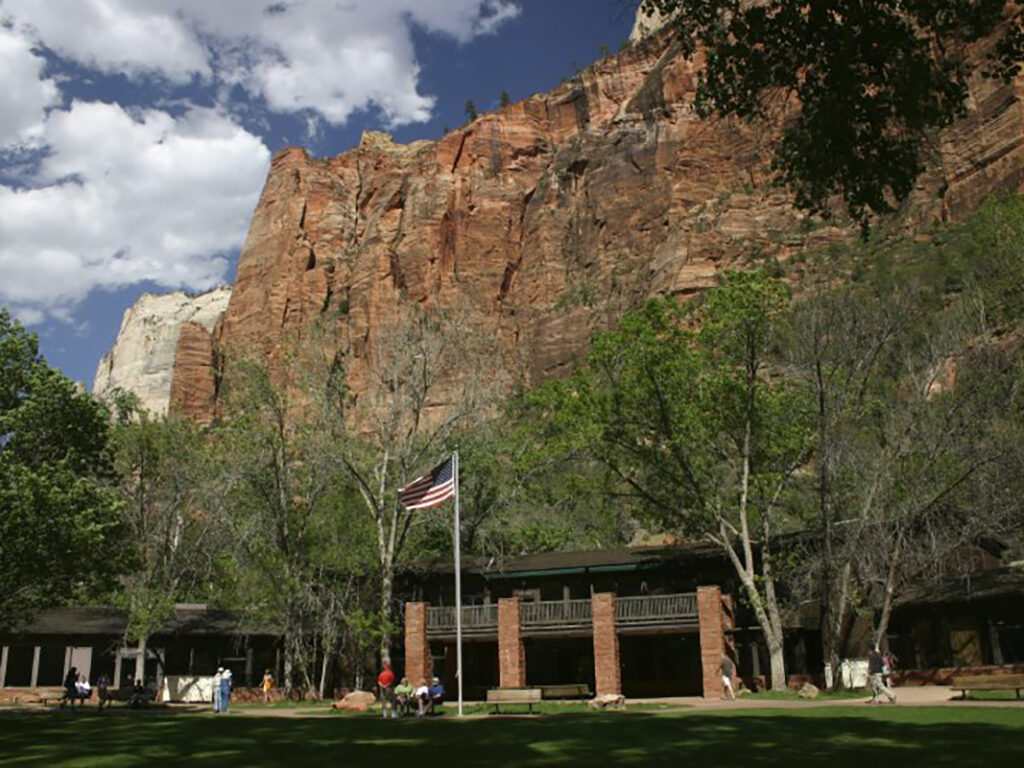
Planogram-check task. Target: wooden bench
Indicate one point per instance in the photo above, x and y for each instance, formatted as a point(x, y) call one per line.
point(499, 696)
point(967, 683)
point(566, 691)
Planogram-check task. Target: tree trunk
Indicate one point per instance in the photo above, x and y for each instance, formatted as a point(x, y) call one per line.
point(772, 630)
point(890, 593)
point(776, 652)
point(140, 661)
point(323, 675)
point(386, 594)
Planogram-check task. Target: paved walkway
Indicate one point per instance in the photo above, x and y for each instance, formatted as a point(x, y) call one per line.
point(913, 696)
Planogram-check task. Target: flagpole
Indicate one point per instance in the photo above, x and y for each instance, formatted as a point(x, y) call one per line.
point(458, 587)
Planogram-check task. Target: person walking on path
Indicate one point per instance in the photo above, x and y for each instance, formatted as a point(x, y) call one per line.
point(225, 690)
point(217, 678)
point(268, 684)
point(728, 670)
point(386, 684)
point(103, 692)
point(876, 670)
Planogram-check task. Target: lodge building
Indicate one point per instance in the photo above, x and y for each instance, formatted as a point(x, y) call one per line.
point(642, 621)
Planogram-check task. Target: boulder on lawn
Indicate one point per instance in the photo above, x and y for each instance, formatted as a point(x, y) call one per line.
point(808, 691)
point(356, 701)
point(616, 700)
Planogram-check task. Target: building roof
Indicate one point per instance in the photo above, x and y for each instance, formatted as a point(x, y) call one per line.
point(587, 561)
point(105, 621)
point(998, 582)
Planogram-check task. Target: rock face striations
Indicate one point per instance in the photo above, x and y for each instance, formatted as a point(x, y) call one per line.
point(144, 357)
point(546, 219)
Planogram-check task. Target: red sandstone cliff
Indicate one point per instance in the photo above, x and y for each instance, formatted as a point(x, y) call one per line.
point(548, 218)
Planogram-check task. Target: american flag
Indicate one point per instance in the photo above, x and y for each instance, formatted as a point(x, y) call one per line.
point(431, 489)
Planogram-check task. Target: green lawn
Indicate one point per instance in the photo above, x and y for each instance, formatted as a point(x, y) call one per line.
point(838, 736)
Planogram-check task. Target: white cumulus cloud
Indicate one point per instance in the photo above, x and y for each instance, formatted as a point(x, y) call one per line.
point(24, 92)
point(123, 198)
point(124, 194)
point(333, 57)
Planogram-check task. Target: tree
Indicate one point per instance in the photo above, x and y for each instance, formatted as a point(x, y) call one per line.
point(471, 113)
point(504, 99)
point(171, 527)
point(60, 533)
point(697, 428)
point(300, 553)
point(425, 388)
point(911, 414)
point(863, 86)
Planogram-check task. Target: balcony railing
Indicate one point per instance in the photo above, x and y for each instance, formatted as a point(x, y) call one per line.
point(656, 609)
point(556, 613)
point(551, 615)
point(475, 619)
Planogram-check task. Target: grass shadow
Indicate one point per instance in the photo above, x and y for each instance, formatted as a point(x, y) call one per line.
point(840, 736)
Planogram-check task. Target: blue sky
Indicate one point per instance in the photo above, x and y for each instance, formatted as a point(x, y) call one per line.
point(135, 134)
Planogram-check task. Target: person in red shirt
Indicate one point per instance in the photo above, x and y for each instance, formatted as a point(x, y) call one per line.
point(386, 684)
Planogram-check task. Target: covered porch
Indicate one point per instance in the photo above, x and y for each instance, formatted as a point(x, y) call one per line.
point(670, 644)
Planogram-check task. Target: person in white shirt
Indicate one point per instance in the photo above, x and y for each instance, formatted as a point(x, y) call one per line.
point(216, 689)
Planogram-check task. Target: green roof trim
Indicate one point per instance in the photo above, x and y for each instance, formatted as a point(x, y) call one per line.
point(618, 568)
point(614, 568)
point(529, 574)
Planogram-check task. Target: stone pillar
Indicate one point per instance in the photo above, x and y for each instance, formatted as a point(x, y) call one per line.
point(3, 667)
point(607, 672)
point(418, 663)
point(712, 639)
point(511, 654)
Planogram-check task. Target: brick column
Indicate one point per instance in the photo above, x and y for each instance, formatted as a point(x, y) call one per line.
point(418, 663)
point(607, 672)
point(712, 639)
point(729, 624)
point(511, 653)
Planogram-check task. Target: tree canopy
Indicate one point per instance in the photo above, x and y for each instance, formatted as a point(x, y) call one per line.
point(862, 85)
point(60, 524)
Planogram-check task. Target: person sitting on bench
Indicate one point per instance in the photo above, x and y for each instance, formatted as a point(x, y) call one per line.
point(436, 691)
point(404, 695)
point(138, 698)
point(430, 697)
point(83, 690)
point(70, 689)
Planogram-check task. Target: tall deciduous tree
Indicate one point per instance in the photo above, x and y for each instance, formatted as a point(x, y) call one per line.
point(172, 530)
point(60, 530)
point(299, 550)
point(694, 423)
point(863, 85)
point(425, 386)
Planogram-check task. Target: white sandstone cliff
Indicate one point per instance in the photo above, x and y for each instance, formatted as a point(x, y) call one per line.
point(142, 358)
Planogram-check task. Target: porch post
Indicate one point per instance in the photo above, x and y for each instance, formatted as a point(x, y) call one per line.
point(3, 667)
point(511, 653)
point(607, 671)
point(418, 664)
point(712, 639)
point(35, 667)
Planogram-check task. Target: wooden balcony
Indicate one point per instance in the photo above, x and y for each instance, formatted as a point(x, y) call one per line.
point(569, 617)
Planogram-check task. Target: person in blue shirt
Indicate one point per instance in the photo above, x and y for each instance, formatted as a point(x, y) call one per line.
point(436, 692)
